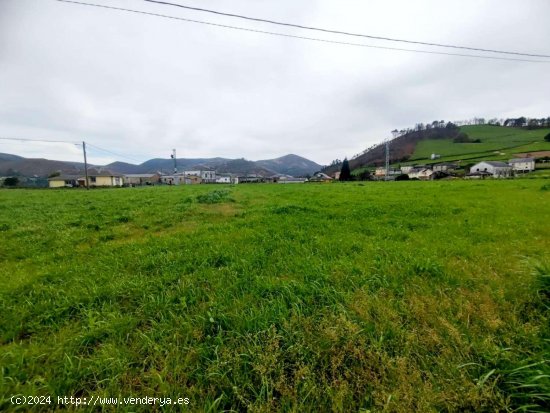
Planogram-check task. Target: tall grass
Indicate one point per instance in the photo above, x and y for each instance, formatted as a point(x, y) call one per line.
point(397, 297)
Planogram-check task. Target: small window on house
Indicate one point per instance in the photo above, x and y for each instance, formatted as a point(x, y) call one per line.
point(92, 178)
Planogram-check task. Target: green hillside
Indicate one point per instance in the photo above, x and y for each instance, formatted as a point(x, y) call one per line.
point(496, 143)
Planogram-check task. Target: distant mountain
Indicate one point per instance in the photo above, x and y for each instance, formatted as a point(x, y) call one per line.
point(9, 157)
point(167, 165)
point(124, 168)
point(291, 165)
point(36, 167)
point(287, 165)
point(242, 166)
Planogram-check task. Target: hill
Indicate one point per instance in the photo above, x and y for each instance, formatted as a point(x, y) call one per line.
point(291, 165)
point(167, 165)
point(9, 157)
point(242, 166)
point(37, 167)
point(466, 144)
point(124, 168)
point(495, 143)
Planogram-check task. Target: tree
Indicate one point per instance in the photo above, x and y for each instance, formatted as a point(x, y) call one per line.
point(11, 181)
point(345, 173)
point(547, 138)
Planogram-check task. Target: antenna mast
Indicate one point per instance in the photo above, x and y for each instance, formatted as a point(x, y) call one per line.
point(173, 156)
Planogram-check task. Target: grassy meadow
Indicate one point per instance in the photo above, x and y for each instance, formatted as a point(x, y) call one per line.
point(380, 297)
point(495, 140)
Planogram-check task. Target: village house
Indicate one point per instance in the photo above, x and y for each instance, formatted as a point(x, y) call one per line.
point(445, 167)
point(96, 178)
point(206, 176)
point(522, 164)
point(406, 169)
point(290, 180)
point(420, 173)
point(141, 179)
point(320, 177)
point(223, 179)
point(102, 178)
point(63, 181)
point(495, 168)
point(381, 172)
point(174, 179)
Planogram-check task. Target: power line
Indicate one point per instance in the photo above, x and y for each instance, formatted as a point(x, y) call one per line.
point(301, 37)
point(72, 143)
point(40, 140)
point(239, 16)
point(112, 153)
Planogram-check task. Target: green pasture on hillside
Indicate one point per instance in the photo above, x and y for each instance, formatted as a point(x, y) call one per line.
point(494, 140)
point(377, 296)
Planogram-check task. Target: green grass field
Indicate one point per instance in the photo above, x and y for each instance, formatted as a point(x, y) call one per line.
point(508, 141)
point(381, 297)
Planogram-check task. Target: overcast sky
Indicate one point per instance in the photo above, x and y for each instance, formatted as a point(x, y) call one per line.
point(141, 85)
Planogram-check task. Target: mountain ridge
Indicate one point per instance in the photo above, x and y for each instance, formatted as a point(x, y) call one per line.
point(299, 166)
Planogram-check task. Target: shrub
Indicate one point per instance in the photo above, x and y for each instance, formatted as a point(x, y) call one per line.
point(214, 197)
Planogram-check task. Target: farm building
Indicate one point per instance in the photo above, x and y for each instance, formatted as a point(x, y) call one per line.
point(141, 179)
point(495, 168)
point(522, 164)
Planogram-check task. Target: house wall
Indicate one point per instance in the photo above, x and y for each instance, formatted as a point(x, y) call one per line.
point(106, 181)
point(56, 184)
point(523, 166)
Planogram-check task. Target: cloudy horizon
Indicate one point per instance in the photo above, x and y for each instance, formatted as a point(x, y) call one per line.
point(140, 85)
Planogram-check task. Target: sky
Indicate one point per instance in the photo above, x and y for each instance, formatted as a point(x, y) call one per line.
point(136, 86)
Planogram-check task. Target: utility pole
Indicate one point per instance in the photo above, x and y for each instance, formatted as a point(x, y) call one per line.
point(387, 160)
point(85, 164)
point(173, 156)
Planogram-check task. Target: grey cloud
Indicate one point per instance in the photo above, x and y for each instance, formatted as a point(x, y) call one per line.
point(142, 85)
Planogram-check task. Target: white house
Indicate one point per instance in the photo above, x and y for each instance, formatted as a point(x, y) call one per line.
point(495, 168)
point(522, 164)
point(208, 176)
point(223, 179)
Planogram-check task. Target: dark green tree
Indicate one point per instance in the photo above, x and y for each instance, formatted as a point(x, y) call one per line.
point(345, 173)
point(547, 138)
point(11, 181)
